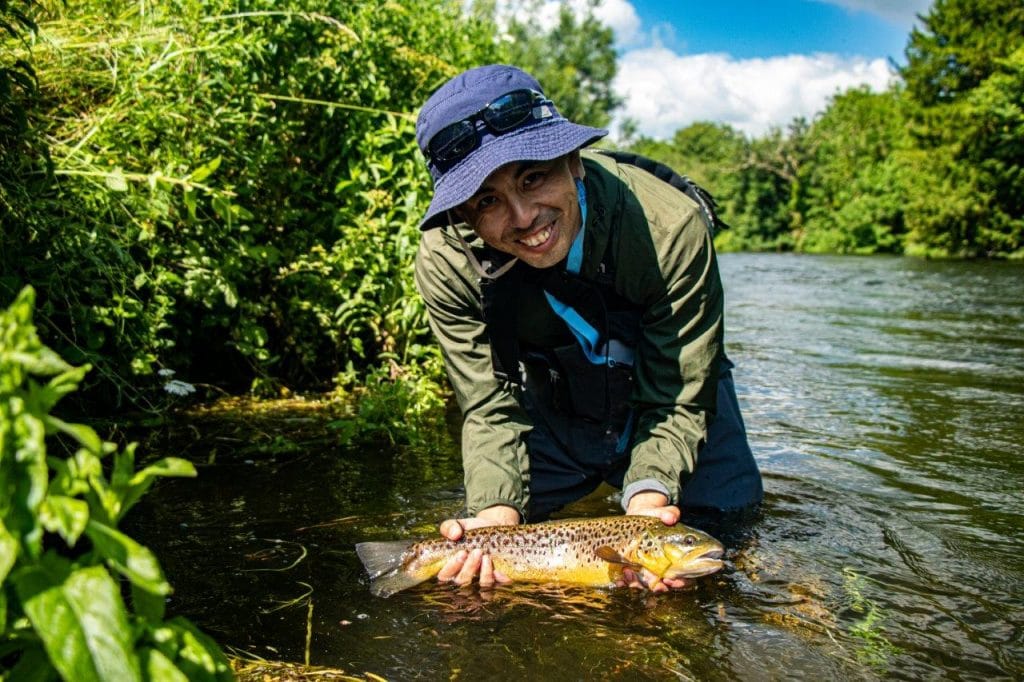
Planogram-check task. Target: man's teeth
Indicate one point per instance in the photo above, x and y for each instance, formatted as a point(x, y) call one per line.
point(537, 239)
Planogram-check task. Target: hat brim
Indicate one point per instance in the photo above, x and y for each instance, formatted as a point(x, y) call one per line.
point(541, 142)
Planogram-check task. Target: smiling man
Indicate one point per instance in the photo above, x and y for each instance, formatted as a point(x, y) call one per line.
point(578, 305)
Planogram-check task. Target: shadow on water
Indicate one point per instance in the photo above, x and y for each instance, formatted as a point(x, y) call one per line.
point(885, 401)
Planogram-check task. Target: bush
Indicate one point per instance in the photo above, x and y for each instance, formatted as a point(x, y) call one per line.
point(235, 187)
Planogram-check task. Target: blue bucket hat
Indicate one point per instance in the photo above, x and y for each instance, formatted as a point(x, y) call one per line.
point(541, 138)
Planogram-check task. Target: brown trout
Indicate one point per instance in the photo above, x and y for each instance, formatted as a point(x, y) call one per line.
point(578, 551)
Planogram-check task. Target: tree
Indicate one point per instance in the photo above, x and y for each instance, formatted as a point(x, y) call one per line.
point(960, 46)
point(574, 60)
point(852, 197)
point(751, 180)
point(964, 72)
point(994, 145)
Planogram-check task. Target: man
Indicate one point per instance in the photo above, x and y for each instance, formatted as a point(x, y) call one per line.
point(578, 306)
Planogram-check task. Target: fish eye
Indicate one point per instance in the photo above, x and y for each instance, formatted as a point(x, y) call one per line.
point(690, 540)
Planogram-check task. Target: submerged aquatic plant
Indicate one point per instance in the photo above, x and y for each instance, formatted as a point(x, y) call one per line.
point(875, 648)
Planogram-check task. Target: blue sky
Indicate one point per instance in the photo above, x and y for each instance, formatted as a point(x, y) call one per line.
point(753, 65)
point(747, 28)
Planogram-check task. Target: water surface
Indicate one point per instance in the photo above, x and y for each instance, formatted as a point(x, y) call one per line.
point(884, 400)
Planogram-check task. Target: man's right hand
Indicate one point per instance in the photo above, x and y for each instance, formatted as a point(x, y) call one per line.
point(464, 566)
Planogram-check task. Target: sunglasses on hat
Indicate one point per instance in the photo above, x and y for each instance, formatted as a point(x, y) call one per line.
point(503, 114)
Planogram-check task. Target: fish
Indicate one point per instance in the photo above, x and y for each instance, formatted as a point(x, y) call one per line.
point(589, 552)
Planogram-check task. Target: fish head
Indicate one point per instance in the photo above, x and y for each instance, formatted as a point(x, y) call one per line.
point(679, 551)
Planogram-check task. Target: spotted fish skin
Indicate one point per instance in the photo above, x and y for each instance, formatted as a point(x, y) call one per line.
point(577, 551)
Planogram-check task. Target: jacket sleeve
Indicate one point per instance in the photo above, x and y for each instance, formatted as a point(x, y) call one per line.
point(494, 456)
point(675, 274)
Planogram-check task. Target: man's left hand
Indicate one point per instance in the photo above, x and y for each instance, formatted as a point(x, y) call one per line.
point(651, 503)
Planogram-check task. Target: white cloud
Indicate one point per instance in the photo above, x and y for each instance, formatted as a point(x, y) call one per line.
point(619, 15)
point(664, 91)
point(902, 13)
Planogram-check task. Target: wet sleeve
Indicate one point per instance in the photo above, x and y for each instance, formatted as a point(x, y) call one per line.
point(679, 351)
point(494, 456)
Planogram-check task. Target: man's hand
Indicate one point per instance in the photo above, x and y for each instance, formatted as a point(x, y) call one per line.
point(464, 566)
point(651, 503)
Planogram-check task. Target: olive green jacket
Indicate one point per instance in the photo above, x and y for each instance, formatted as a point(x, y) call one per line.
point(663, 261)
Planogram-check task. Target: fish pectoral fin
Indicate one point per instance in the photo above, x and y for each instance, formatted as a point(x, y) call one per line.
point(613, 557)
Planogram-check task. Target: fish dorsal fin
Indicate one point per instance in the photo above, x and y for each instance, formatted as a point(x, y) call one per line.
point(613, 557)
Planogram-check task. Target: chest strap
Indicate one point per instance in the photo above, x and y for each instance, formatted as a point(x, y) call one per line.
point(596, 350)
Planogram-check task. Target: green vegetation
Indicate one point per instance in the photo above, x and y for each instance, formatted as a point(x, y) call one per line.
point(61, 609)
point(874, 647)
point(931, 167)
point(574, 61)
point(230, 191)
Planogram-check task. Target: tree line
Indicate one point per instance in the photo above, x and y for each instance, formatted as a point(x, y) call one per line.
point(227, 191)
point(930, 167)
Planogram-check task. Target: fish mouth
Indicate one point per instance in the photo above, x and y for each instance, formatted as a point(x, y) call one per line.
point(703, 564)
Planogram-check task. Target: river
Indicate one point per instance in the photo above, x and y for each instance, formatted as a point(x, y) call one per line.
point(884, 400)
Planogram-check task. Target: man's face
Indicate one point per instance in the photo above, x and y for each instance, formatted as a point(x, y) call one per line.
point(528, 209)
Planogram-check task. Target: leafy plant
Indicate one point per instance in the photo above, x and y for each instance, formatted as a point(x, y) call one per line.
point(63, 561)
point(235, 187)
point(875, 648)
point(395, 404)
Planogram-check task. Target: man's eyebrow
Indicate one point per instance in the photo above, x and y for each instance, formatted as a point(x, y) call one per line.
point(524, 166)
point(521, 167)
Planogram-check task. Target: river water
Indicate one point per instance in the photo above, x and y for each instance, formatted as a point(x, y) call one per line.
point(884, 400)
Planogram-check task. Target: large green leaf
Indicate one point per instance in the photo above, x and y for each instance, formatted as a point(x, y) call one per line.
point(26, 487)
point(128, 557)
point(148, 605)
point(8, 552)
point(168, 466)
point(46, 396)
point(193, 652)
point(81, 620)
point(158, 667)
point(124, 467)
point(141, 480)
point(64, 515)
point(41, 361)
point(80, 432)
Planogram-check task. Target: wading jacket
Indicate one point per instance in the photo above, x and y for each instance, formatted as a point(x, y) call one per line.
point(658, 250)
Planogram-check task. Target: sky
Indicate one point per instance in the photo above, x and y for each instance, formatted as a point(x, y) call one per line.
point(752, 64)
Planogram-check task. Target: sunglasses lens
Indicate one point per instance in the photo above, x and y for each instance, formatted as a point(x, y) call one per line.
point(509, 110)
point(505, 113)
point(454, 142)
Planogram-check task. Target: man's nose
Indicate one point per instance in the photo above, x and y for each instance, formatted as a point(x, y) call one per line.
point(521, 212)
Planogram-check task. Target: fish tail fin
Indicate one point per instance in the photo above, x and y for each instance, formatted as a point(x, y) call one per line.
point(383, 562)
point(381, 557)
point(396, 581)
